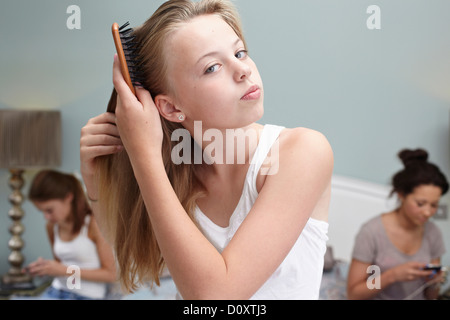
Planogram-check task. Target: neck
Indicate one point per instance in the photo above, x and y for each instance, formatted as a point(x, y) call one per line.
point(404, 222)
point(66, 224)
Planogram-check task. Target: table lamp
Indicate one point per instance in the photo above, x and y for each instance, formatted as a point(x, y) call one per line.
point(28, 139)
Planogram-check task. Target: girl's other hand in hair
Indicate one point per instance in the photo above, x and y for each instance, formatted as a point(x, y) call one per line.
point(137, 118)
point(99, 137)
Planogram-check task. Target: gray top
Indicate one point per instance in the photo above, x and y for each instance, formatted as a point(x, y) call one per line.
point(373, 246)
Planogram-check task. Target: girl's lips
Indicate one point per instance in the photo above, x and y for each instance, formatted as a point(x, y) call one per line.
point(254, 93)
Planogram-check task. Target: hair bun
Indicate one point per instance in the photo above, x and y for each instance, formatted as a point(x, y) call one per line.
point(412, 156)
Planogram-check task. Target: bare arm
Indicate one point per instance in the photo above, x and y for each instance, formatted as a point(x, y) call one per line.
point(357, 288)
point(107, 270)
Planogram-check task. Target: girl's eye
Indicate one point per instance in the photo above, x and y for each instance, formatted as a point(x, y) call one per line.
point(241, 54)
point(212, 69)
point(420, 204)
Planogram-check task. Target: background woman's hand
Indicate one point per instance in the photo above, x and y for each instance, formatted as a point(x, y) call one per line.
point(410, 271)
point(42, 267)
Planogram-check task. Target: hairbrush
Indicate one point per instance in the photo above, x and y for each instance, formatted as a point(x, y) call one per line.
point(126, 48)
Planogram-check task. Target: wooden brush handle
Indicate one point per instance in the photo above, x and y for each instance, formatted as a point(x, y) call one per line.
point(121, 55)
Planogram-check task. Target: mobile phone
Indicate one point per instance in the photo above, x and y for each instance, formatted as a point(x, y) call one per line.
point(435, 267)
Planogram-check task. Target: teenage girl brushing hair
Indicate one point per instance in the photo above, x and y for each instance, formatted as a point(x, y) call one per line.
point(224, 230)
point(74, 236)
point(402, 242)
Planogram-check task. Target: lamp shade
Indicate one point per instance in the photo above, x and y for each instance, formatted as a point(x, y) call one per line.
point(30, 138)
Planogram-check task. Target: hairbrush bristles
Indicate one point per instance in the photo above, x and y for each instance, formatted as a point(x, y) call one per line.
point(127, 47)
point(130, 48)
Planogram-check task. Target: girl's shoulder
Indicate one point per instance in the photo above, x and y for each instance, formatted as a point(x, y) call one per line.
point(307, 142)
point(299, 134)
point(302, 153)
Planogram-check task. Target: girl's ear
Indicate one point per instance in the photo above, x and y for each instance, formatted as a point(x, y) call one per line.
point(168, 110)
point(401, 196)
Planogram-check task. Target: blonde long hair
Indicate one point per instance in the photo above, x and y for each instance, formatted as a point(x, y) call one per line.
point(123, 211)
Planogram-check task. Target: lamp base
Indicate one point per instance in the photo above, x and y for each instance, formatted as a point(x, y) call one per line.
point(17, 282)
point(23, 278)
point(15, 276)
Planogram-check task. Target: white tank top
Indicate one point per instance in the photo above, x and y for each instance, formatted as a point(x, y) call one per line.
point(81, 252)
point(300, 274)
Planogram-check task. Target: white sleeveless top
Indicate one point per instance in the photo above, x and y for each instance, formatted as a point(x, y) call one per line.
point(300, 274)
point(81, 252)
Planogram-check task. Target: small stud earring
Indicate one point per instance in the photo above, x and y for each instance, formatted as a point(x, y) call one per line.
point(181, 117)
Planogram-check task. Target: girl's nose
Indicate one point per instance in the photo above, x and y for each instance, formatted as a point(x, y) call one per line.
point(243, 71)
point(428, 212)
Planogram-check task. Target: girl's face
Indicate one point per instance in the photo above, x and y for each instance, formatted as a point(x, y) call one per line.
point(55, 210)
point(212, 78)
point(421, 204)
